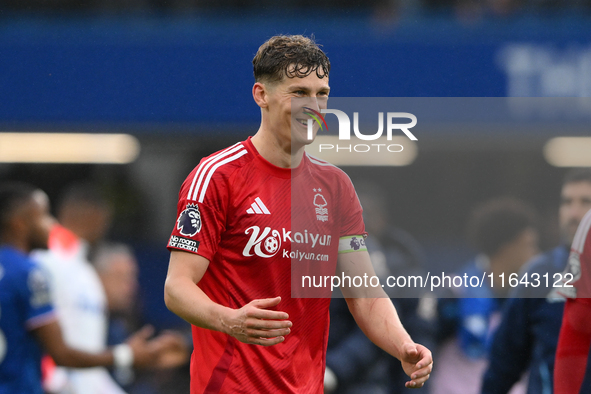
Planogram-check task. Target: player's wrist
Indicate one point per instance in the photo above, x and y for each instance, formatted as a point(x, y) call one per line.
point(330, 380)
point(123, 356)
point(224, 319)
point(400, 345)
point(123, 362)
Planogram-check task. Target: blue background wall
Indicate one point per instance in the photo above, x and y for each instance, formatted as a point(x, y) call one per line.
point(130, 71)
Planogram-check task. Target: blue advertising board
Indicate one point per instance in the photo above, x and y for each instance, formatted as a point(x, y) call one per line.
point(197, 71)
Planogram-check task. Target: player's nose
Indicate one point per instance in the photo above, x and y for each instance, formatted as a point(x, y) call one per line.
point(314, 104)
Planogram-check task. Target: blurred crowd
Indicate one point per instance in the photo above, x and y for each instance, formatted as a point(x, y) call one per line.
point(384, 10)
point(106, 277)
point(95, 292)
point(492, 339)
point(489, 339)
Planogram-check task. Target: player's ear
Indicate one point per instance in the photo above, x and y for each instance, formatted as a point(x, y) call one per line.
point(259, 93)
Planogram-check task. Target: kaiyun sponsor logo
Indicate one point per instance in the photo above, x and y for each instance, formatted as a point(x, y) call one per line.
point(267, 243)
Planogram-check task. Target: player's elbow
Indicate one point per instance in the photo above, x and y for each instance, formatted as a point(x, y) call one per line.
point(171, 296)
point(168, 298)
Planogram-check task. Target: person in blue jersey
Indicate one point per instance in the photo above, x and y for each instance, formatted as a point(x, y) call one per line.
point(527, 337)
point(27, 320)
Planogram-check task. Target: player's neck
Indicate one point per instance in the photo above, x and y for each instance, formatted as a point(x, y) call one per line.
point(15, 243)
point(275, 151)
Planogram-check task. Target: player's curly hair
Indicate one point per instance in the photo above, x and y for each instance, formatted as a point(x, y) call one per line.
point(577, 175)
point(291, 56)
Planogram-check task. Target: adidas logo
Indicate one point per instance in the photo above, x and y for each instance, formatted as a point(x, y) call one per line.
point(258, 207)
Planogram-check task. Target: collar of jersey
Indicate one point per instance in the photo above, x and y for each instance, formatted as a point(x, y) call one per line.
point(272, 168)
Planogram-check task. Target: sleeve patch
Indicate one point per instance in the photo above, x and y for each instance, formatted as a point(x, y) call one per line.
point(183, 243)
point(39, 288)
point(353, 243)
point(189, 221)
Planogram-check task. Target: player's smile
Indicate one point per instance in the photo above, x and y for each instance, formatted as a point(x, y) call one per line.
point(303, 121)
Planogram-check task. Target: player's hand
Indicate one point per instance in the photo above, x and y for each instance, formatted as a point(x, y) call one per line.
point(417, 363)
point(174, 350)
point(255, 324)
point(144, 351)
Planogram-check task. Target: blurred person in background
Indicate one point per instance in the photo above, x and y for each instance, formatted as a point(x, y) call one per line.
point(118, 271)
point(504, 231)
point(354, 364)
point(527, 336)
point(84, 218)
point(27, 316)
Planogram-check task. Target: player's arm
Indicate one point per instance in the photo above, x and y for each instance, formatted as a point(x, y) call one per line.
point(376, 316)
point(253, 323)
point(510, 352)
point(138, 351)
point(41, 321)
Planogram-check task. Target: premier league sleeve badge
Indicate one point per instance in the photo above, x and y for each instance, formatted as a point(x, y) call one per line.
point(189, 221)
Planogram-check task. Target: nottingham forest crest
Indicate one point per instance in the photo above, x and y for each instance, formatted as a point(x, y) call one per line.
point(320, 202)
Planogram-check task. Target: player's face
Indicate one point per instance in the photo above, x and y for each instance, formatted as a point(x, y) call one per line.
point(575, 201)
point(525, 247)
point(39, 220)
point(94, 222)
point(311, 92)
point(120, 282)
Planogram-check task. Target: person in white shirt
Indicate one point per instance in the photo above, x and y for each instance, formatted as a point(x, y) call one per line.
point(78, 293)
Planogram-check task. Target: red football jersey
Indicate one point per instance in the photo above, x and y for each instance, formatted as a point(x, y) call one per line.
point(261, 226)
point(575, 334)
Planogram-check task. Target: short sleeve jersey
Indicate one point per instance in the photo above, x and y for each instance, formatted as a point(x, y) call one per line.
point(25, 304)
point(254, 222)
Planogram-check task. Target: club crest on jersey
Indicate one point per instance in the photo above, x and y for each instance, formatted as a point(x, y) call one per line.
point(320, 202)
point(189, 221)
